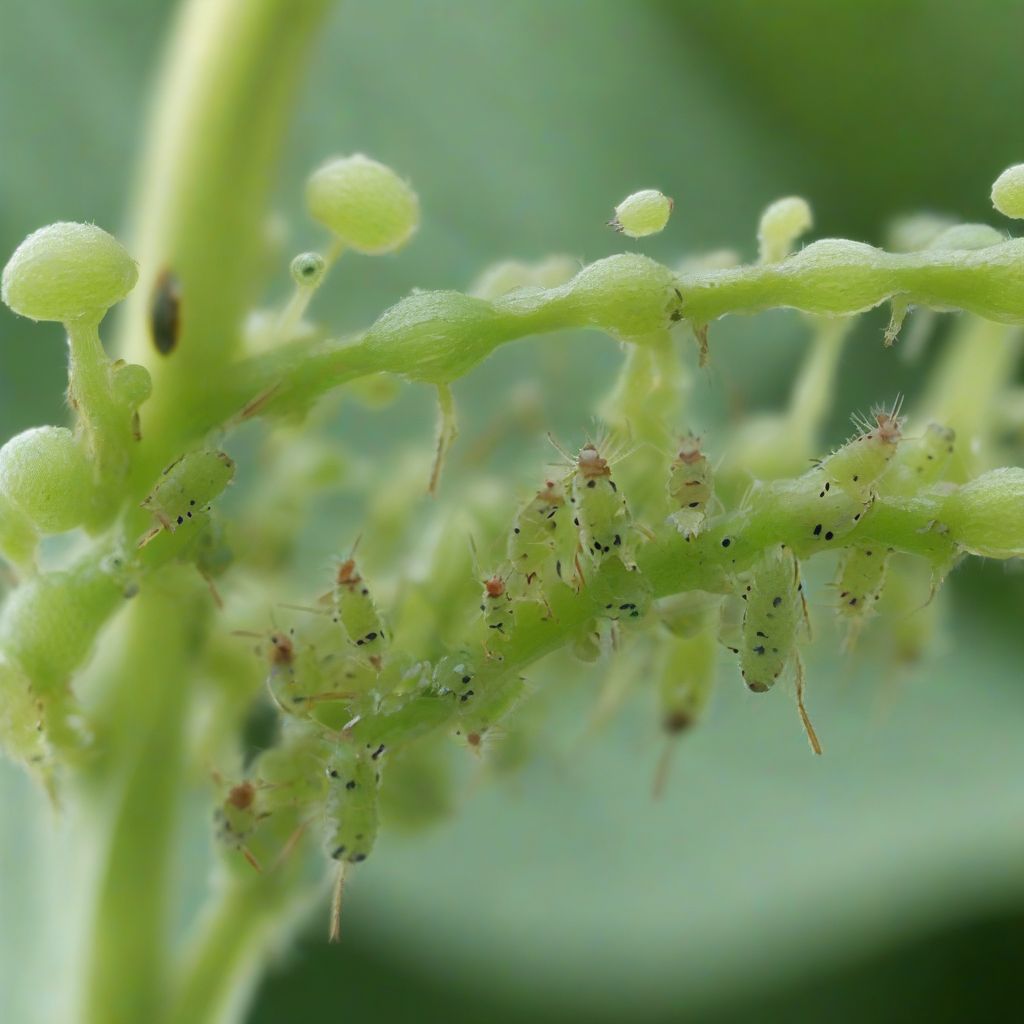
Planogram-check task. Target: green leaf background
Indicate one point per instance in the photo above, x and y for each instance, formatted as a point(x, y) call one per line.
point(884, 879)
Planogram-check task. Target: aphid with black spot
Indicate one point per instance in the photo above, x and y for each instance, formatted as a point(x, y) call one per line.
point(496, 610)
point(539, 536)
point(493, 698)
point(599, 510)
point(236, 819)
point(357, 611)
point(186, 488)
point(859, 584)
point(774, 613)
point(690, 487)
point(856, 467)
point(165, 312)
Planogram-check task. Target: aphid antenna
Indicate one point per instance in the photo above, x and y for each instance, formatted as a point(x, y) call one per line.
point(812, 736)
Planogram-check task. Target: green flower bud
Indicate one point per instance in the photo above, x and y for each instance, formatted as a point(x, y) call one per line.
point(642, 213)
point(966, 236)
point(308, 268)
point(984, 516)
point(45, 474)
point(782, 223)
point(68, 272)
point(1008, 192)
point(131, 384)
point(916, 231)
point(369, 207)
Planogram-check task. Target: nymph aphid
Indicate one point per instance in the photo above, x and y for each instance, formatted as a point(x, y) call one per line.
point(357, 611)
point(690, 487)
point(186, 488)
point(857, 465)
point(782, 223)
point(1008, 192)
point(534, 544)
point(236, 818)
point(642, 213)
point(859, 586)
point(773, 616)
point(599, 511)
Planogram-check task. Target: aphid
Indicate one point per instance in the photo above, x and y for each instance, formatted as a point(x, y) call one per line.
point(859, 584)
point(690, 487)
point(685, 673)
point(357, 611)
point(920, 461)
point(352, 815)
point(186, 488)
point(237, 818)
point(600, 512)
point(858, 464)
point(536, 540)
point(496, 609)
point(774, 613)
point(165, 312)
point(490, 702)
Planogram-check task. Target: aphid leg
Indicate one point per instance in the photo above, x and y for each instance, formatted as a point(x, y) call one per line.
point(150, 535)
point(290, 844)
point(212, 587)
point(256, 405)
point(700, 332)
point(662, 770)
point(447, 431)
point(334, 935)
point(251, 858)
point(812, 736)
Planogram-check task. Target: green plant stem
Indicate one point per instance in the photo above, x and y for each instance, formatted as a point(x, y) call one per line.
point(223, 962)
point(231, 73)
point(135, 789)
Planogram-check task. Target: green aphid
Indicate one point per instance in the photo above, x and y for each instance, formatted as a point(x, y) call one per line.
point(496, 610)
point(492, 700)
point(537, 540)
point(856, 467)
point(860, 583)
point(351, 811)
point(920, 462)
point(186, 488)
point(600, 512)
point(236, 819)
point(774, 614)
point(358, 613)
point(291, 772)
point(690, 487)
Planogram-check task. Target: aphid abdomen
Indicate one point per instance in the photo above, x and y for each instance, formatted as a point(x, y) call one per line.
point(602, 517)
point(484, 705)
point(859, 585)
point(686, 675)
point(771, 619)
point(856, 467)
point(920, 462)
point(351, 810)
point(186, 487)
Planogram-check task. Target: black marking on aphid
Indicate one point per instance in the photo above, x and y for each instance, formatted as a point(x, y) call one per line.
point(726, 541)
point(591, 483)
point(351, 784)
point(829, 535)
point(776, 601)
point(817, 530)
point(359, 858)
point(337, 853)
point(380, 750)
point(181, 519)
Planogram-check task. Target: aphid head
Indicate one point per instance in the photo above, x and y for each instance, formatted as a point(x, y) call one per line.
point(552, 493)
point(889, 426)
point(591, 463)
point(242, 795)
point(689, 450)
point(282, 650)
point(494, 587)
point(348, 575)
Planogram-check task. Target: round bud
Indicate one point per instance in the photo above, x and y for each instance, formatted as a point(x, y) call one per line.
point(1008, 192)
point(131, 384)
point(782, 223)
point(369, 207)
point(966, 236)
point(68, 272)
point(45, 474)
point(308, 268)
point(916, 231)
point(642, 213)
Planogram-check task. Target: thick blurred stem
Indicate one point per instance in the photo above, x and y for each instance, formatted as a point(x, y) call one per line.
point(136, 791)
point(222, 108)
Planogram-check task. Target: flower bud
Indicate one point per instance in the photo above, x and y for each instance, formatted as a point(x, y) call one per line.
point(307, 269)
point(984, 516)
point(44, 472)
point(642, 213)
point(68, 272)
point(782, 223)
point(131, 384)
point(1008, 192)
point(369, 207)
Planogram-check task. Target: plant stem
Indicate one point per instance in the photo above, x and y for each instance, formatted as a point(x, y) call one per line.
point(222, 109)
point(135, 790)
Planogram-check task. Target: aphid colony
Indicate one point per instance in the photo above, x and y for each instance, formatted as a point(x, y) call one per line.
point(351, 699)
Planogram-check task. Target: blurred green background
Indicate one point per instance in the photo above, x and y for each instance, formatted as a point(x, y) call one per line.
point(886, 881)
